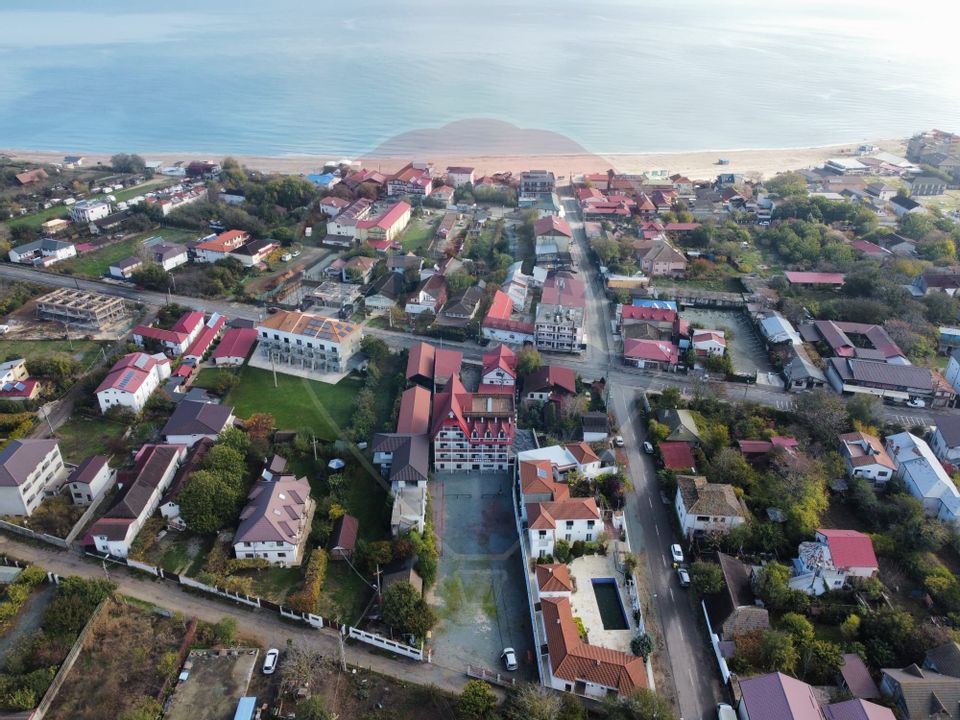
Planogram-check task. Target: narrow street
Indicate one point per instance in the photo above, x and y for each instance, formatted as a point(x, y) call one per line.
point(262, 625)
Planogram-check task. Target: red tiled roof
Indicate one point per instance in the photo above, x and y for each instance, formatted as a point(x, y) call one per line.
point(551, 377)
point(544, 515)
point(225, 241)
point(414, 415)
point(677, 456)
point(632, 312)
point(502, 358)
point(551, 225)
point(388, 219)
point(582, 452)
point(553, 577)
point(572, 659)
point(564, 289)
point(814, 278)
point(654, 350)
point(500, 308)
point(849, 548)
point(205, 338)
point(236, 342)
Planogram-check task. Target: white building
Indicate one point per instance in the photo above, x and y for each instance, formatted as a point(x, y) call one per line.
point(276, 521)
point(156, 466)
point(132, 380)
point(457, 176)
point(866, 458)
point(90, 479)
point(192, 421)
point(709, 342)
point(570, 520)
point(946, 439)
point(86, 211)
point(924, 476)
point(308, 341)
point(45, 251)
point(704, 507)
point(833, 557)
point(30, 470)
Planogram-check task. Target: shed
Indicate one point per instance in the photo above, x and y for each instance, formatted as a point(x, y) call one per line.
point(343, 539)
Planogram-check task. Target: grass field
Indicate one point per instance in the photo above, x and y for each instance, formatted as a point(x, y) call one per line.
point(96, 263)
point(295, 402)
point(81, 436)
point(418, 234)
point(83, 350)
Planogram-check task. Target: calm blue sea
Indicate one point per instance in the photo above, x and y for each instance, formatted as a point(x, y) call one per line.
point(314, 76)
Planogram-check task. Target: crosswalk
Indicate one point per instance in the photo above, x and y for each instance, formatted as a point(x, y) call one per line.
point(785, 405)
point(908, 421)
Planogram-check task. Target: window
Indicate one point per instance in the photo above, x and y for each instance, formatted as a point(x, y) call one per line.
point(569, 524)
point(567, 537)
point(703, 518)
point(590, 524)
point(281, 554)
point(543, 533)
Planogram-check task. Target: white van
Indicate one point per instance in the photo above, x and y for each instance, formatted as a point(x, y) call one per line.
point(725, 712)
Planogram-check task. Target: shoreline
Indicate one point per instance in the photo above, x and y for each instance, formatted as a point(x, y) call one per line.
point(698, 164)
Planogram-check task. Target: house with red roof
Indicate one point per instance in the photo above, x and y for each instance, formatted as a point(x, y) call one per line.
point(759, 449)
point(814, 279)
point(650, 354)
point(414, 415)
point(553, 580)
point(677, 456)
point(205, 339)
point(709, 343)
point(500, 326)
point(866, 457)
point(552, 237)
point(831, 558)
point(219, 247)
point(386, 227)
point(432, 366)
point(19, 390)
point(234, 347)
point(410, 180)
point(472, 431)
point(571, 520)
point(429, 296)
point(549, 383)
point(177, 339)
point(131, 381)
point(499, 372)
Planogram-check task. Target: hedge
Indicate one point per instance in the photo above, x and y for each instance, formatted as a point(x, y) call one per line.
point(307, 598)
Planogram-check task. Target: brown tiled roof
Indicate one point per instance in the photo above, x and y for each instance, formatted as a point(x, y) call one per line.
point(703, 498)
point(414, 415)
point(536, 478)
point(545, 515)
point(553, 577)
point(344, 533)
point(572, 659)
point(582, 452)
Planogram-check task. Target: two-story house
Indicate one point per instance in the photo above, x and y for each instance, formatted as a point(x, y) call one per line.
point(866, 457)
point(132, 380)
point(499, 372)
point(571, 519)
point(429, 296)
point(192, 421)
point(831, 559)
point(945, 442)
point(275, 523)
point(704, 507)
point(90, 479)
point(30, 470)
point(925, 478)
point(310, 342)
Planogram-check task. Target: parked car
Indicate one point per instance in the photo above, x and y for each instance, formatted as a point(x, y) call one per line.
point(270, 661)
point(916, 403)
point(4, 329)
point(684, 577)
point(647, 447)
point(618, 441)
point(676, 552)
point(509, 657)
point(726, 712)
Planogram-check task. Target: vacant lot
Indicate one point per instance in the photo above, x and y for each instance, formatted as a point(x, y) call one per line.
point(83, 350)
point(294, 403)
point(82, 436)
point(96, 263)
point(419, 233)
point(127, 657)
point(215, 684)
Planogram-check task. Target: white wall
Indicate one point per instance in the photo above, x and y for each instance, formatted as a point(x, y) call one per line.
point(275, 554)
point(542, 541)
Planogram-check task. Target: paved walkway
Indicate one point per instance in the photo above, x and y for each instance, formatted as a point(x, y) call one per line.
point(263, 625)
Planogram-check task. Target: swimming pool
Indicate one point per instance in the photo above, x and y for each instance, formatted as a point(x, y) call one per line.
point(612, 613)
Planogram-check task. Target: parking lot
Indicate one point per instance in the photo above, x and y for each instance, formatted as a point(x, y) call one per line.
point(480, 593)
point(746, 348)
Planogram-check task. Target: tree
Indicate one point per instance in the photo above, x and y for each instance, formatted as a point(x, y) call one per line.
point(642, 645)
point(528, 361)
point(642, 704)
point(477, 701)
point(778, 652)
point(225, 631)
point(146, 708)
point(866, 409)
point(375, 349)
point(797, 626)
point(527, 701)
point(850, 628)
point(786, 184)
point(235, 438)
point(405, 610)
point(313, 708)
point(706, 577)
point(260, 425)
point(123, 163)
point(824, 413)
point(209, 502)
point(772, 588)
point(152, 276)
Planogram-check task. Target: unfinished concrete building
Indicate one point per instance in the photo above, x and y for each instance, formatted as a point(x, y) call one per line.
point(76, 307)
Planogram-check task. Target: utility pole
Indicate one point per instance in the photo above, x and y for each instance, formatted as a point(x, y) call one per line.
point(315, 448)
point(273, 365)
point(46, 416)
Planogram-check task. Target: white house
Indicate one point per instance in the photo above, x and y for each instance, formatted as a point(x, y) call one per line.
point(499, 369)
point(155, 468)
point(275, 523)
point(571, 520)
point(30, 470)
point(866, 458)
point(457, 176)
point(132, 380)
point(833, 557)
point(86, 211)
point(169, 256)
point(709, 342)
point(45, 251)
point(704, 507)
point(192, 421)
point(946, 439)
point(924, 476)
point(308, 341)
point(90, 479)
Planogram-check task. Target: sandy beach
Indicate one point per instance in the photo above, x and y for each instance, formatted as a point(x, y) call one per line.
point(695, 165)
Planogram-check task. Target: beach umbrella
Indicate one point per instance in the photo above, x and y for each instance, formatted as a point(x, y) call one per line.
point(336, 464)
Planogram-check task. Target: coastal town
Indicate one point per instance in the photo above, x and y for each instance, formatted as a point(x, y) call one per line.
point(439, 442)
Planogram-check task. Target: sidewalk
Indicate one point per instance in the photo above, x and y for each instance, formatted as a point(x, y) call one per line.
point(261, 624)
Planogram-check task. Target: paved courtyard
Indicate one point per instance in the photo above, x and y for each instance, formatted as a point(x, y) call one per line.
point(746, 348)
point(480, 592)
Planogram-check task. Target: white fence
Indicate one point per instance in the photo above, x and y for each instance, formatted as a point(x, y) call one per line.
point(715, 643)
point(385, 644)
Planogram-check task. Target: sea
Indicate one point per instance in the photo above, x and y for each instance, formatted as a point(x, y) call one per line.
point(281, 77)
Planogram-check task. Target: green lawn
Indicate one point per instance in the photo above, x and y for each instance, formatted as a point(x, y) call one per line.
point(274, 583)
point(295, 402)
point(96, 263)
point(83, 350)
point(345, 594)
point(366, 500)
point(81, 436)
point(418, 234)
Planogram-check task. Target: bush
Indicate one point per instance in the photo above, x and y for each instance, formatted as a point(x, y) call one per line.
point(578, 548)
point(477, 701)
point(306, 599)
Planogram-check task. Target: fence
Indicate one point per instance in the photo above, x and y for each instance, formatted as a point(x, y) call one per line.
point(34, 535)
point(314, 621)
point(50, 695)
point(531, 598)
point(715, 644)
point(481, 673)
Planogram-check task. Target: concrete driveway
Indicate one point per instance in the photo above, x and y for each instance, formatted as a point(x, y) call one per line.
point(480, 592)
